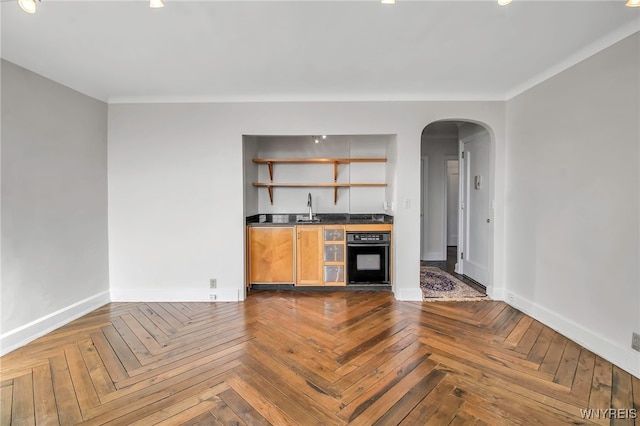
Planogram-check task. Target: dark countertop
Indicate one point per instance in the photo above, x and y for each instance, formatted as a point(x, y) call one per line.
point(324, 218)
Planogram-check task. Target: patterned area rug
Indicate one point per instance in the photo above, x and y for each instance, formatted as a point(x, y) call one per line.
point(439, 286)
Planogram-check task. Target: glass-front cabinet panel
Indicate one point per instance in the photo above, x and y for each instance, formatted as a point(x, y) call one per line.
point(334, 252)
point(334, 255)
point(334, 274)
point(333, 234)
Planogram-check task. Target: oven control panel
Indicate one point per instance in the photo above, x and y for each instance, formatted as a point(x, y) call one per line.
point(368, 237)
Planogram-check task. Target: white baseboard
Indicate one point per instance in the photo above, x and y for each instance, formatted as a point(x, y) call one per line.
point(13, 339)
point(408, 294)
point(436, 256)
point(497, 293)
point(624, 358)
point(172, 295)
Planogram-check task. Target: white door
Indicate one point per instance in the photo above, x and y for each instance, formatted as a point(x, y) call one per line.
point(476, 208)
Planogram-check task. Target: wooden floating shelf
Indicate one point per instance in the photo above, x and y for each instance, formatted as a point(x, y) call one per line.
point(335, 186)
point(319, 160)
point(335, 161)
point(322, 185)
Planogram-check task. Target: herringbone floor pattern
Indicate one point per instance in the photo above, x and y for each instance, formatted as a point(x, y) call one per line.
point(357, 358)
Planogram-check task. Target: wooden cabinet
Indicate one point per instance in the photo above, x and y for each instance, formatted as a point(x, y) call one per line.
point(334, 255)
point(309, 246)
point(304, 255)
point(321, 254)
point(271, 255)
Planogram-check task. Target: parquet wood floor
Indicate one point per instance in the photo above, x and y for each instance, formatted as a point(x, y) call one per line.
point(281, 358)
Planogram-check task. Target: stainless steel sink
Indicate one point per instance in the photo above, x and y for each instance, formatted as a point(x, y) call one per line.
point(314, 220)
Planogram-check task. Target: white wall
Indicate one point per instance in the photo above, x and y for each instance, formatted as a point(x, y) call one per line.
point(294, 199)
point(176, 186)
point(573, 232)
point(250, 151)
point(54, 205)
point(439, 140)
point(368, 199)
point(391, 174)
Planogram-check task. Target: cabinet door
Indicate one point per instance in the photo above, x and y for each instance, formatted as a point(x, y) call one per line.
point(334, 275)
point(309, 249)
point(271, 255)
point(334, 234)
point(334, 255)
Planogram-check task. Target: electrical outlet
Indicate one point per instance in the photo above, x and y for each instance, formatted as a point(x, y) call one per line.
point(407, 203)
point(635, 341)
point(213, 283)
point(511, 298)
point(212, 297)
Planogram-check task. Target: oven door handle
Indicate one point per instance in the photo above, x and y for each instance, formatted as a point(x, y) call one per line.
point(366, 245)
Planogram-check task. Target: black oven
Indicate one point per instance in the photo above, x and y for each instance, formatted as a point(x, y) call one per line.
point(368, 257)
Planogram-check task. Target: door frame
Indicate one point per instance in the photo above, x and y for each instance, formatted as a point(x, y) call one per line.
point(461, 121)
point(462, 173)
point(424, 194)
point(462, 167)
point(445, 202)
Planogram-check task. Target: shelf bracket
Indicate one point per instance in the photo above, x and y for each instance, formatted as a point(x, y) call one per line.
point(270, 166)
point(335, 195)
point(270, 189)
point(335, 171)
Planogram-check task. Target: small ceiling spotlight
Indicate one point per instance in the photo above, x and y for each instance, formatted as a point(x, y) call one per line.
point(156, 4)
point(633, 3)
point(28, 6)
point(504, 2)
point(388, 1)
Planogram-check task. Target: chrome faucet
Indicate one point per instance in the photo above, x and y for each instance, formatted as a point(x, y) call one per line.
point(309, 205)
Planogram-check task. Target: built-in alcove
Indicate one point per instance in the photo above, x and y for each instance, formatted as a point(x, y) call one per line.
point(348, 173)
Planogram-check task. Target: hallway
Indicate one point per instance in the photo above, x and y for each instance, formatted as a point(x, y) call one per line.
point(450, 265)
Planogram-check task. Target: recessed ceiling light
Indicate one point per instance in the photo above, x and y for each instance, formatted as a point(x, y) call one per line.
point(388, 1)
point(155, 4)
point(504, 2)
point(28, 6)
point(633, 3)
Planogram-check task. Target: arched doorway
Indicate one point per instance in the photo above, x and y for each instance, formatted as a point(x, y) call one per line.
point(456, 198)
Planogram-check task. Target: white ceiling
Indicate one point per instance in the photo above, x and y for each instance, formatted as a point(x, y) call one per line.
point(123, 51)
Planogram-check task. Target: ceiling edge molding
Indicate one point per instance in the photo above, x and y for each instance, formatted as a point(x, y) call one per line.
point(577, 57)
point(302, 98)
